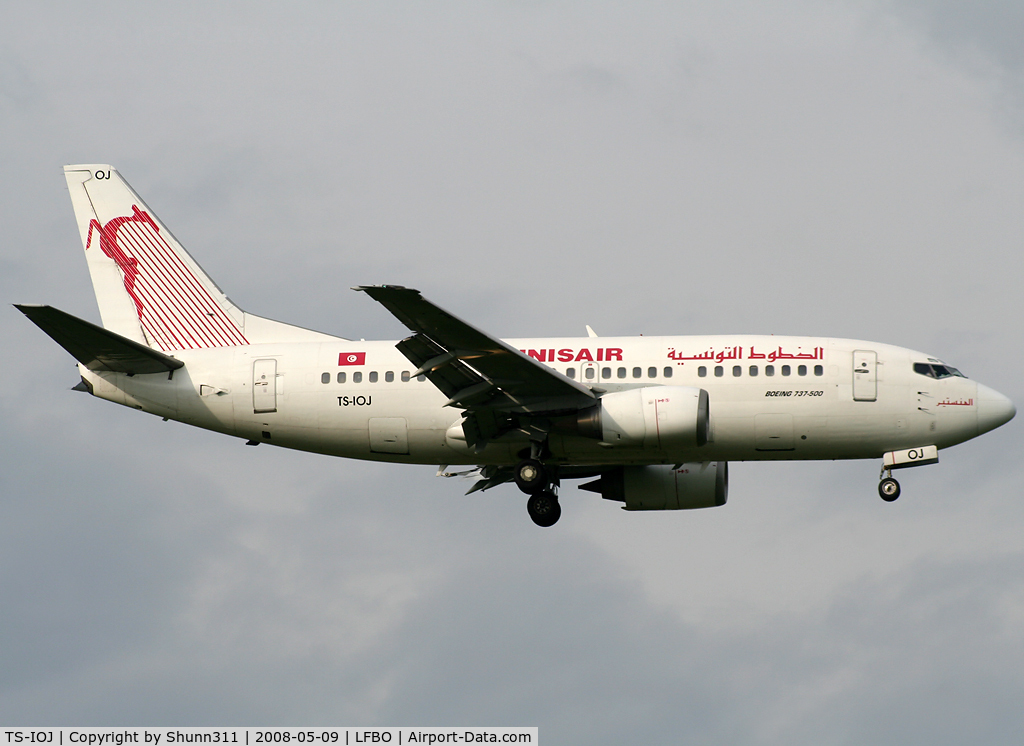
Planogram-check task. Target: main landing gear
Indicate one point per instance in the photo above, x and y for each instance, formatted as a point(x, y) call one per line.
point(531, 476)
point(544, 508)
point(888, 488)
point(536, 480)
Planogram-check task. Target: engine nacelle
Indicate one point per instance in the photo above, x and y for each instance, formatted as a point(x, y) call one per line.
point(663, 487)
point(661, 417)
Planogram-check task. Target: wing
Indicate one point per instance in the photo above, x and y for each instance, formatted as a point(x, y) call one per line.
point(497, 385)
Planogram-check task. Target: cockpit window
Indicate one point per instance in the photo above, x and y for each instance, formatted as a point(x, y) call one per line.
point(936, 370)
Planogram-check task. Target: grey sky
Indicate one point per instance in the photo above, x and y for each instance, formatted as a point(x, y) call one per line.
point(844, 169)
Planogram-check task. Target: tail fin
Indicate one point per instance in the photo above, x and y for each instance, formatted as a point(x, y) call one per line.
point(147, 286)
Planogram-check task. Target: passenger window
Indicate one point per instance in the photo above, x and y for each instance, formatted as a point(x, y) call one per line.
point(737, 370)
point(373, 376)
point(341, 377)
point(389, 376)
point(719, 371)
point(753, 370)
point(668, 372)
point(652, 372)
point(325, 378)
point(637, 372)
point(405, 376)
point(570, 372)
point(801, 370)
point(421, 379)
point(819, 370)
point(702, 371)
point(606, 373)
point(785, 370)
point(621, 373)
point(769, 370)
point(589, 374)
point(357, 377)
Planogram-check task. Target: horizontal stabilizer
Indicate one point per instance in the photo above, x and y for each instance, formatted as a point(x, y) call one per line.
point(95, 347)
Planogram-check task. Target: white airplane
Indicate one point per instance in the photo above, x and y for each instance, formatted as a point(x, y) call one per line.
point(653, 421)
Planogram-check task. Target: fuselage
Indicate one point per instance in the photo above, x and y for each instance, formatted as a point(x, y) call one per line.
point(770, 398)
point(653, 421)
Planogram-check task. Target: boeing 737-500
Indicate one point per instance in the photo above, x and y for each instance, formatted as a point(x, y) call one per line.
point(650, 422)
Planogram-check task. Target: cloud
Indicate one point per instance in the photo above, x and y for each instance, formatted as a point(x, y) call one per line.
point(988, 29)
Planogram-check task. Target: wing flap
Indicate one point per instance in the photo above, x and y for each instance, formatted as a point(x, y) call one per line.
point(95, 347)
point(444, 369)
point(472, 368)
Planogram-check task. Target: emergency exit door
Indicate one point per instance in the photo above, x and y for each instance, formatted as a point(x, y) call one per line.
point(865, 376)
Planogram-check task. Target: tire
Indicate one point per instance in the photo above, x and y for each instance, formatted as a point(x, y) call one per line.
point(889, 489)
point(544, 509)
point(531, 477)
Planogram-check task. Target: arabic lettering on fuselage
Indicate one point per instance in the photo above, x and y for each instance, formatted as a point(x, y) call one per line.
point(957, 403)
point(736, 353)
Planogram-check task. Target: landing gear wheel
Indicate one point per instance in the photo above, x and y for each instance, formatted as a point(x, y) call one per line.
point(889, 489)
point(544, 509)
point(531, 476)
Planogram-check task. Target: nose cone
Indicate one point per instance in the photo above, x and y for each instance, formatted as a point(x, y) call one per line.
point(994, 409)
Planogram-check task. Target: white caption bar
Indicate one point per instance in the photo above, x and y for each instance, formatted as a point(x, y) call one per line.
point(260, 736)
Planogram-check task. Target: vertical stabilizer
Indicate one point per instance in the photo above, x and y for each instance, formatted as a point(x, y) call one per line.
point(147, 286)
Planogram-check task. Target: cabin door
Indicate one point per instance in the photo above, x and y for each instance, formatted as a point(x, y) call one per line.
point(865, 379)
point(264, 386)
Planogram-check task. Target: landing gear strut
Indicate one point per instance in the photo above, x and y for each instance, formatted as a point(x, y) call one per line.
point(544, 508)
point(888, 488)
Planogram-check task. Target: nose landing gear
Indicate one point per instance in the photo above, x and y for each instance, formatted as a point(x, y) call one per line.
point(888, 488)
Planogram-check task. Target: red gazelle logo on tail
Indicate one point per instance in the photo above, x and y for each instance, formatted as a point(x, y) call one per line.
point(175, 309)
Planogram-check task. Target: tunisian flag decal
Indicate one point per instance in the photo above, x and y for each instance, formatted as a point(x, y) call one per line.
point(352, 358)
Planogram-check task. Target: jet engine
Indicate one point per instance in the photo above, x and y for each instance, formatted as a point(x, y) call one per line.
point(659, 417)
point(662, 487)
